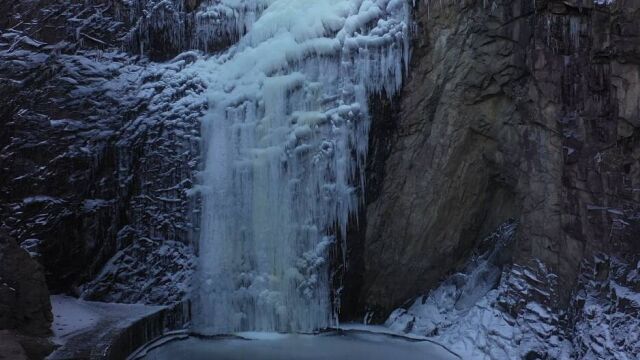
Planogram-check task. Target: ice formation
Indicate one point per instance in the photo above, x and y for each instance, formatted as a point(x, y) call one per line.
point(286, 137)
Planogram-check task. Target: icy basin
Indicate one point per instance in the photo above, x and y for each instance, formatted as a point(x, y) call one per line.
point(333, 345)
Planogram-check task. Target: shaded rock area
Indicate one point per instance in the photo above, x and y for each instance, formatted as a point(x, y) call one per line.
point(10, 348)
point(512, 109)
point(25, 310)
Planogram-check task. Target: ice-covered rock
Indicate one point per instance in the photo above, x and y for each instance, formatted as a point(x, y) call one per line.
point(97, 145)
point(496, 310)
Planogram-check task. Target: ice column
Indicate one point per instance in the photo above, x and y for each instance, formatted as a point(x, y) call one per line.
point(286, 138)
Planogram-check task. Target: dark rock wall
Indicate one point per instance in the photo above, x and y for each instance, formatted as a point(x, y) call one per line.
point(512, 109)
point(24, 297)
point(25, 310)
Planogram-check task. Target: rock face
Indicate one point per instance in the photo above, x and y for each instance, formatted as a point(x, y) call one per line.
point(512, 109)
point(494, 309)
point(10, 347)
point(25, 309)
point(24, 296)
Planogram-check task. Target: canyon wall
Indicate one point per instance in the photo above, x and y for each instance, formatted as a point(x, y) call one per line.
point(511, 110)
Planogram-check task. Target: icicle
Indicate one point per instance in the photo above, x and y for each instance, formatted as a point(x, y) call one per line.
point(286, 137)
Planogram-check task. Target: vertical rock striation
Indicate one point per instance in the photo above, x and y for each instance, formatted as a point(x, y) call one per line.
point(512, 109)
point(524, 110)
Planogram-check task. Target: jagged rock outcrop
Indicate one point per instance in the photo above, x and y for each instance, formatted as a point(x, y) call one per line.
point(605, 311)
point(512, 109)
point(480, 313)
point(494, 309)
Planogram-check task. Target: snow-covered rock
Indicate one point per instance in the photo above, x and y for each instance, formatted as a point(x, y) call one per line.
point(606, 310)
point(100, 151)
point(497, 310)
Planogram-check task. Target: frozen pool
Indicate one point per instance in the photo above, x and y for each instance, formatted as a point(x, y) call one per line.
point(352, 345)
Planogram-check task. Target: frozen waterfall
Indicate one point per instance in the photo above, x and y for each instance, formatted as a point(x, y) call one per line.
point(286, 137)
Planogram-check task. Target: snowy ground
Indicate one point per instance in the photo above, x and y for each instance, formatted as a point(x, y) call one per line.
point(79, 326)
point(352, 344)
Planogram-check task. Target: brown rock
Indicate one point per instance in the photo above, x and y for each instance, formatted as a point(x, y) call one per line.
point(507, 112)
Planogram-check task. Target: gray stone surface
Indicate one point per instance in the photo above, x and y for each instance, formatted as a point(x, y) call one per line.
point(25, 310)
point(509, 111)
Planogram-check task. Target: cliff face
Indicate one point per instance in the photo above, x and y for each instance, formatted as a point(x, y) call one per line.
point(512, 109)
point(99, 146)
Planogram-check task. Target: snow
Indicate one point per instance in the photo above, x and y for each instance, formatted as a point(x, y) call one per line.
point(32, 246)
point(72, 317)
point(514, 315)
point(607, 308)
point(331, 345)
point(478, 312)
point(286, 135)
point(147, 271)
point(39, 199)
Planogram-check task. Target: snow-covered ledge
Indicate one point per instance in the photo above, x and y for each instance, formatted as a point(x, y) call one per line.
point(94, 330)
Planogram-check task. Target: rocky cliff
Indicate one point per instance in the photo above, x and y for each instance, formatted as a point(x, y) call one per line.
point(512, 110)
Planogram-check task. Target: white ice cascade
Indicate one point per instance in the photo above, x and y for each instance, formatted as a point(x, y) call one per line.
point(286, 137)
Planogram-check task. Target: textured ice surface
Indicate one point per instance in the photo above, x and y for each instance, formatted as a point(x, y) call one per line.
point(350, 345)
point(286, 135)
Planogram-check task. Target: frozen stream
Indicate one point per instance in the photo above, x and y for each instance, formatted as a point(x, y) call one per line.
point(333, 345)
